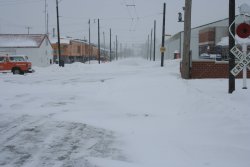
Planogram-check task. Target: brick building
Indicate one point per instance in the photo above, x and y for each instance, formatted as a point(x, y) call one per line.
point(209, 58)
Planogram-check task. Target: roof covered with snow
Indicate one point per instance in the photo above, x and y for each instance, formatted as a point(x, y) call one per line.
point(21, 40)
point(238, 40)
point(67, 40)
point(62, 40)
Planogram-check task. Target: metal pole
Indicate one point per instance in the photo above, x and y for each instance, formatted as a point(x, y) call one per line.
point(47, 30)
point(187, 34)
point(154, 39)
point(99, 48)
point(116, 48)
point(58, 36)
point(120, 55)
point(244, 49)
point(110, 45)
point(104, 47)
point(148, 48)
point(163, 34)
point(45, 11)
point(89, 43)
point(231, 62)
point(151, 44)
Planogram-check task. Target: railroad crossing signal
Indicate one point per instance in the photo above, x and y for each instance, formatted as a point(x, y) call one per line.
point(243, 61)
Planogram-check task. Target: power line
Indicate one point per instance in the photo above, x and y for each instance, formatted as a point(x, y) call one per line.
point(18, 2)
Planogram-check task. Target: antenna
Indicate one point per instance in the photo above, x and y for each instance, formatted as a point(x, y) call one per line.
point(28, 27)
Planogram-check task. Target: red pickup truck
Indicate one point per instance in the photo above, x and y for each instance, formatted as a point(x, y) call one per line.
point(17, 64)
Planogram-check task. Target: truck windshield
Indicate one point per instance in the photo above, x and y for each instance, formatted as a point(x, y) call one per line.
point(2, 59)
point(16, 59)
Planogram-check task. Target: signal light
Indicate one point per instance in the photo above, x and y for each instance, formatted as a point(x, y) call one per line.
point(243, 30)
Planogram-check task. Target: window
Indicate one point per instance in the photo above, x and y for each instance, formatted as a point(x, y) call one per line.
point(2, 59)
point(16, 59)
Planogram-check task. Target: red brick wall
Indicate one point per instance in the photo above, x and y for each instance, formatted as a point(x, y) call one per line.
point(211, 69)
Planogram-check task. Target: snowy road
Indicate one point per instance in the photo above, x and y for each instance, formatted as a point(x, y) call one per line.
point(42, 141)
point(130, 113)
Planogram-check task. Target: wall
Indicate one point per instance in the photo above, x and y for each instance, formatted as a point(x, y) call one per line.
point(40, 57)
point(172, 45)
point(211, 69)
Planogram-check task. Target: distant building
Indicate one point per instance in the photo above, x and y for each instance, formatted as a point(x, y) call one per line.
point(36, 47)
point(76, 50)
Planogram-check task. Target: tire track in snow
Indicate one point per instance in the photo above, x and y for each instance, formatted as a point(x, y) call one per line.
point(41, 141)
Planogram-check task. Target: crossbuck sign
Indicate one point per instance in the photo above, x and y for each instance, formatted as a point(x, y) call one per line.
point(244, 61)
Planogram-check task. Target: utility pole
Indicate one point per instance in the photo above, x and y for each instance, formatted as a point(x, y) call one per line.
point(148, 48)
point(150, 45)
point(163, 34)
point(116, 48)
point(46, 17)
point(47, 30)
point(58, 37)
point(104, 47)
point(121, 50)
point(99, 47)
point(154, 39)
point(187, 36)
point(231, 44)
point(110, 46)
point(89, 43)
point(28, 28)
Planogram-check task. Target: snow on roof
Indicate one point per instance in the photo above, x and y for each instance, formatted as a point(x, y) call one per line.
point(21, 40)
point(244, 9)
point(62, 40)
point(238, 40)
point(67, 40)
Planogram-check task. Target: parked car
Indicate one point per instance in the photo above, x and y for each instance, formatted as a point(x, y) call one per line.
point(17, 64)
point(211, 56)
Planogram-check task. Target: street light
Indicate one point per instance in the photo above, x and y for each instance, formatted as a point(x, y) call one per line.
point(180, 19)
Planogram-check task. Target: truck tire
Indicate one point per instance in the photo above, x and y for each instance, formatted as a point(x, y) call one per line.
point(16, 71)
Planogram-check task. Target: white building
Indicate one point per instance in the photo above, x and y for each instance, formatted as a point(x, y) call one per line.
point(204, 39)
point(36, 47)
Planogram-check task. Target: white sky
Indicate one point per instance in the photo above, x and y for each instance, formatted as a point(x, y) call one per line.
point(131, 24)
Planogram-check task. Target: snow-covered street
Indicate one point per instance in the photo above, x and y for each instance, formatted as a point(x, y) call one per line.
point(128, 113)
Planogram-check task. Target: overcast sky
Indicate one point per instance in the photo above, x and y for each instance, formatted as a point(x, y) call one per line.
point(132, 24)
